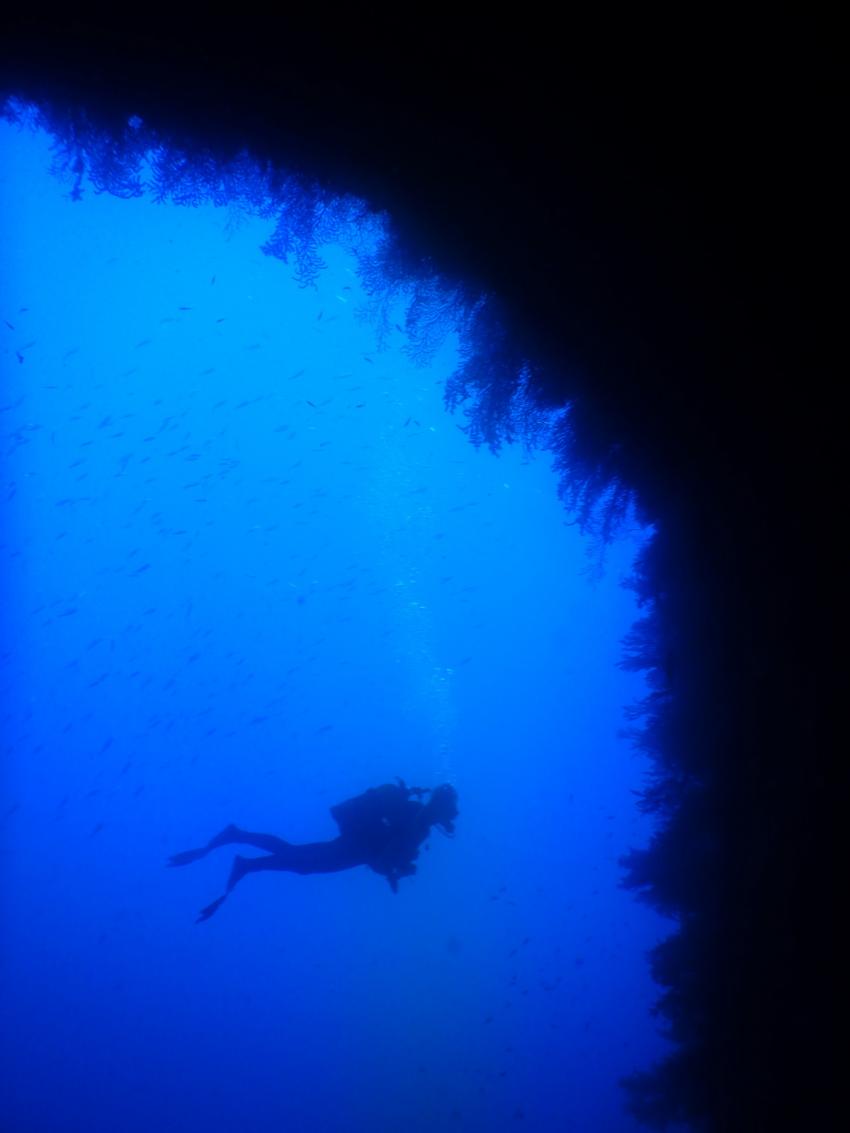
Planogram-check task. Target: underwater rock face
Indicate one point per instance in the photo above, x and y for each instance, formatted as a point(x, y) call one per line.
point(673, 333)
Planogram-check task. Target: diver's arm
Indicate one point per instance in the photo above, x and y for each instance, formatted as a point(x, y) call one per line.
point(415, 792)
point(394, 875)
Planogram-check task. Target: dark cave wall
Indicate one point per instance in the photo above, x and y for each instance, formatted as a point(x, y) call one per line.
point(655, 251)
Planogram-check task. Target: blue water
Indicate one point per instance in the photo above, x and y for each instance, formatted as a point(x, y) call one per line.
point(251, 566)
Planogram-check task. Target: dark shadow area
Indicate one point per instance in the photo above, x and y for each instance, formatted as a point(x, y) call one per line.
point(661, 247)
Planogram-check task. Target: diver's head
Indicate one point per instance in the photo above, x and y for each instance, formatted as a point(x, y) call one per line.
point(442, 807)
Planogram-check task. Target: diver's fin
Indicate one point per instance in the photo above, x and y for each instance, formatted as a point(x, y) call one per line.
point(207, 912)
point(186, 857)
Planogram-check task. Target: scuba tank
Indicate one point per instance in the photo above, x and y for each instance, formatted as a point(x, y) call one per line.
point(375, 810)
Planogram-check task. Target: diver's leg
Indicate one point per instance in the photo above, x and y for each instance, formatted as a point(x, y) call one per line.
point(186, 857)
point(308, 857)
point(324, 857)
point(241, 866)
point(269, 842)
point(227, 837)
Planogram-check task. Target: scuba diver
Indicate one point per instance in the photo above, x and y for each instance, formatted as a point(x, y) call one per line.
point(383, 828)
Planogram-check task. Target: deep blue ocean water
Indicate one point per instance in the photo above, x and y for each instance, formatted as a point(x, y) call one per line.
point(252, 566)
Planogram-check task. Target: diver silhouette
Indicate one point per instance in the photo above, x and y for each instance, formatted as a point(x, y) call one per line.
point(383, 828)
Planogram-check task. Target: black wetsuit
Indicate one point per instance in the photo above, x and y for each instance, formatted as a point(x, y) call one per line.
point(383, 828)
